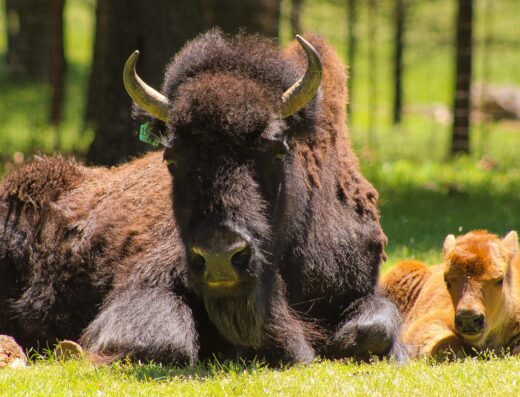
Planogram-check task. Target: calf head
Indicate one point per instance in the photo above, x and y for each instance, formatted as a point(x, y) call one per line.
point(226, 120)
point(477, 277)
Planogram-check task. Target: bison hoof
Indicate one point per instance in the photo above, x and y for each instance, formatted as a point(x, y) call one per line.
point(11, 354)
point(68, 350)
point(305, 355)
point(363, 341)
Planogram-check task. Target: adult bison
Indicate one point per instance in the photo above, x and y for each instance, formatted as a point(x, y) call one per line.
point(252, 233)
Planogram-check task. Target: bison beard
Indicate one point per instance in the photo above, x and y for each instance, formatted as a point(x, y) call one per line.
point(253, 233)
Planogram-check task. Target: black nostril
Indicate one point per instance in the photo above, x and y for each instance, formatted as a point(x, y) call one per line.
point(479, 321)
point(198, 262)
point(472, 322)
point(241, 258)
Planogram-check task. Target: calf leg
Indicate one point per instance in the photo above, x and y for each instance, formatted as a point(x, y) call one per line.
point(147, 324)
point(430, 336)
point(371, 328)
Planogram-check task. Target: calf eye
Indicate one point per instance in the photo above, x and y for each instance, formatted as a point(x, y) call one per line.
point(500, 281)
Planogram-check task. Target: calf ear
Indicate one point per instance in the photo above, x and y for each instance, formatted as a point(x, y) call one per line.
point(510, 243)
point(449, 244)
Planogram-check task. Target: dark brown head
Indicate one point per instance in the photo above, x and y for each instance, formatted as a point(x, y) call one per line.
point(476, 275)
point(229, 107)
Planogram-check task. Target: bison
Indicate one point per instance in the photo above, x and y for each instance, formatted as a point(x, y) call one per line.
point(253, 232)
point(470, 303)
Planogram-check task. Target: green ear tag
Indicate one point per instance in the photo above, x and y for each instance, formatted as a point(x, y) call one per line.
point(146, 135)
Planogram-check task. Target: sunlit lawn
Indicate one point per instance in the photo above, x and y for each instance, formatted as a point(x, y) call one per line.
point(471, 377)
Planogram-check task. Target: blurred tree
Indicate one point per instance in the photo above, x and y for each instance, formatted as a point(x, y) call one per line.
point(254, 16)
point(57, 66)
point(462, 91)
point(158, 30)
point(399, 26)
point(372, 73)
point(122, 26)
point(296, 7)
point(29, 37)
point(35, 47)
point(351, 45)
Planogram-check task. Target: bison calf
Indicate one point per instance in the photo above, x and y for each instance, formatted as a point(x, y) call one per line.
point(252, 232)
point(469, 303)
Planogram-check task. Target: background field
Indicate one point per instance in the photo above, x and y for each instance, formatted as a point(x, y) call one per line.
point(423, 195)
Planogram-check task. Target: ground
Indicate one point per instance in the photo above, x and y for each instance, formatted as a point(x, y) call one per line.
point(471, 377)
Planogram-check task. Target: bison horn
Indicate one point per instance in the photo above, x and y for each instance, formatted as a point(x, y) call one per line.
point(145, 96)
point(302, 92)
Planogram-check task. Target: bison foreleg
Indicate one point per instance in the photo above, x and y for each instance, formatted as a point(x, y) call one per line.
point(371, 328)
point(146, 324)
point(291, 333)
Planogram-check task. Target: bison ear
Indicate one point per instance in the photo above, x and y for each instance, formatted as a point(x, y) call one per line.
point(510, 243)
point(449, 244)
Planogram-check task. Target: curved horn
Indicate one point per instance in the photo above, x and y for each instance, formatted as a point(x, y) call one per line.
point(302, 92)
point(145, 96)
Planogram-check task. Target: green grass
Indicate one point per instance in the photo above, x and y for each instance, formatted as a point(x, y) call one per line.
point(470, 377)
point(421, 203)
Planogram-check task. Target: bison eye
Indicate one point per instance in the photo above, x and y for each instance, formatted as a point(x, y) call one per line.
point(448, 285)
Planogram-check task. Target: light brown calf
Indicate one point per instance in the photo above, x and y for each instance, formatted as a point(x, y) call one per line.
point(469, 303)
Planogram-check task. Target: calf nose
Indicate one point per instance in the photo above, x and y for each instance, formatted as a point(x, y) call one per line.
point(469, 321)
point(221, 253)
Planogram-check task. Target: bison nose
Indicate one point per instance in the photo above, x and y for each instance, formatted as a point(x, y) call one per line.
point(469, 321)
point(221, 255)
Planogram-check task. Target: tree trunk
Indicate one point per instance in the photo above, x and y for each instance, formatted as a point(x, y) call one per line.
point(57, 66)
point(400, 12)
point(123, 26)
point(158, 31)
point(29, 38)
point(253, 16)
point(296, 7)
point(462, 97)
point(372, 74)
point(351, 43)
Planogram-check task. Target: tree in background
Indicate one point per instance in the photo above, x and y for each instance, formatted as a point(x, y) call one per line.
point(462, 92)
point(351, 48)
point(57, 66)
point(158, 31)
point(399, 26)
point(296, 7)
point(35, 47)
point(29, 38)
point(255, 16)
point(372, 73)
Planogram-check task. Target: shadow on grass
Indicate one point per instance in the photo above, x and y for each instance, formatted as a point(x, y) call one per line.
point(210, 369)
point(417, 220)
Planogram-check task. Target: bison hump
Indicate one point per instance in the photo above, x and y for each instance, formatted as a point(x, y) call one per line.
point(42, 180)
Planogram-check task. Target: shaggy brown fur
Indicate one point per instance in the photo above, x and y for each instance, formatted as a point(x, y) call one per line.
point(106, 254)
point(481, 277)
